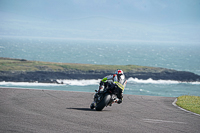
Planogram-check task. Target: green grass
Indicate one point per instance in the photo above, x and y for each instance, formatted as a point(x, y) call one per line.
point(7, 64)
point(191, 103)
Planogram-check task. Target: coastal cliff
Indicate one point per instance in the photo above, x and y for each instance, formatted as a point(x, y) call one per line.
point(21, 70)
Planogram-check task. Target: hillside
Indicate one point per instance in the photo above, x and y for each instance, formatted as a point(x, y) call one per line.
point(21, 70)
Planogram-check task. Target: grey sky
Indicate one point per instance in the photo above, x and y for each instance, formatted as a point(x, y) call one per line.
point(147, 20)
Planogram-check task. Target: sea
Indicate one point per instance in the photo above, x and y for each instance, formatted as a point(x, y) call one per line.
point(181, 56)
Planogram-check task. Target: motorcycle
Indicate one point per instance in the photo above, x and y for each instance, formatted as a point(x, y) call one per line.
point(103, 98)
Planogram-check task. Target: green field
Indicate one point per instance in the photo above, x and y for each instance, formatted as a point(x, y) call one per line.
point(191, 103)
point(7, 64)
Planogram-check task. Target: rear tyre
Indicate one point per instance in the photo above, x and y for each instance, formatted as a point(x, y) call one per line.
point(104, 102)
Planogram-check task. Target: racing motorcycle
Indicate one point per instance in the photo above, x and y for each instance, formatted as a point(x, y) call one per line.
point(103, 98)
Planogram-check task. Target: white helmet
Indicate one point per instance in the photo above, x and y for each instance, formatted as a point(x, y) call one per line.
point(118, 71)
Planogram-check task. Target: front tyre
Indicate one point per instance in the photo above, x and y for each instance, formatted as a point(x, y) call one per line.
point(92, 106)
point(103, 102)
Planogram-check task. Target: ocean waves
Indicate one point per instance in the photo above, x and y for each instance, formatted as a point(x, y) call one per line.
point(151, 81)
point(8, 84)
point(166, 88)
point(75, 82)
point(80, 82)
point(129, 81)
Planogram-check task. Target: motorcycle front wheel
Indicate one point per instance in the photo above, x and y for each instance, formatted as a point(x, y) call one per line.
point(104, 102)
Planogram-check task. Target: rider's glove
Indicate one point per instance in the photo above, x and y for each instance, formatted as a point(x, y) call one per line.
point(101, 83)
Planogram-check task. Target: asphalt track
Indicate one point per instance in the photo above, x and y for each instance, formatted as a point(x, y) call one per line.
point(42, 111)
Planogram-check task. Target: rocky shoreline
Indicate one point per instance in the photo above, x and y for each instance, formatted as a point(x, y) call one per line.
point(52, 76)
point(21, 70)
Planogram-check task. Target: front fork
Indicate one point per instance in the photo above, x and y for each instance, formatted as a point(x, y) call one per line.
point(96, 98)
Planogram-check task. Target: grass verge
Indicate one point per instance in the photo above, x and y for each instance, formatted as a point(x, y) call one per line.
point(191, 103)
point(8, 64)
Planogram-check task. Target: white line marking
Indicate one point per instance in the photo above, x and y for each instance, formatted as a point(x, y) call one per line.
point(161, 121)
point(174, 103)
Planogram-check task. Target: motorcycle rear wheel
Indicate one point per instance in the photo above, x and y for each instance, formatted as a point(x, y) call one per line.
point(104, 102)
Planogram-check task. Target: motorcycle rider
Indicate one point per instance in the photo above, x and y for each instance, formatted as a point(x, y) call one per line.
point(115, 82)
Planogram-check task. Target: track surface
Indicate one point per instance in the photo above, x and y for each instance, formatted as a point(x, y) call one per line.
point(45, 111)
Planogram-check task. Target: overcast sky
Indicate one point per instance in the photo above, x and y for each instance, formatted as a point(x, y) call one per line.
point(151, 20)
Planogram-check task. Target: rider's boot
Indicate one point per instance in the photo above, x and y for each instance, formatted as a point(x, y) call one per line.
point(116, 100)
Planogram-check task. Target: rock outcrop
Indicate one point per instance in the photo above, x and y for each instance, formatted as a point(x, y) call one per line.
point(51, 76)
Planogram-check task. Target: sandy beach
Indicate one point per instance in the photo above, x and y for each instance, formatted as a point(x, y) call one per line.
point(45, 111)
